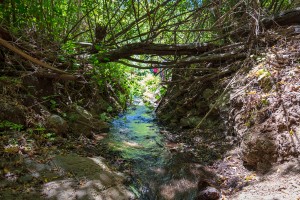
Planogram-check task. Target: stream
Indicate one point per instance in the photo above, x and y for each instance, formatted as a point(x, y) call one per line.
point(157, 171)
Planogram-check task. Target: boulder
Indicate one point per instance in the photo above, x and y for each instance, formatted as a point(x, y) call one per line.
point(57, 124)
point(208, 193)
point(259, 151)
point(83, 113)
point(83, 122)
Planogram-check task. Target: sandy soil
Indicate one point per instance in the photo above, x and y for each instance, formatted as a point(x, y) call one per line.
point(283, 182)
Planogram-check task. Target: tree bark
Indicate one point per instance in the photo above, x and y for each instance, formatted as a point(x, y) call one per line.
point(286, 18)
point(155, 49)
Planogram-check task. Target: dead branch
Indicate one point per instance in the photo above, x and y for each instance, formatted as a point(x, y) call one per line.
point(155, 49)
point(65, 77)
point(30, 58)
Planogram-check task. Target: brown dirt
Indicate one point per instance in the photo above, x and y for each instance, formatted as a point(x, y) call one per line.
point(265, 114)
point(282, 182)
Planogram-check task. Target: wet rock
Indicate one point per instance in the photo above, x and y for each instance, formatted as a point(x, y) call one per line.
point(57, 124)
point(209, 193)
point(92, 168)
point(87, 128)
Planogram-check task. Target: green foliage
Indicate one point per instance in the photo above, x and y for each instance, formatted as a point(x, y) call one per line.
point(103, 117)
point(52, 101)
point(10, 80)
point(39, 129)
point(109, 109)
point(150, 86)
point(69, 48)
point(40, 132)
point(53, 104)
point(10, 125)
point(128, 21)
point(264, 79)
point(72, 117)
point(49, 136)
point(163, 22)
point(163, 91)
point(113, 77)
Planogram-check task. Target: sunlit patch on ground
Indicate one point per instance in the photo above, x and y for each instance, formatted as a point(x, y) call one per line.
point(100, 136)
point(80, 188)
point(170, 190)
point(159, 170)
point(90, 178)
point(132, 144)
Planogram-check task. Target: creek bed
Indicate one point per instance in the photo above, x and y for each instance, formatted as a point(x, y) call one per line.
point(157, 173)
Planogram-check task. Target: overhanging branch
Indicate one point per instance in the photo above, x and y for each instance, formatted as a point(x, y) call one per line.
point(154, 49)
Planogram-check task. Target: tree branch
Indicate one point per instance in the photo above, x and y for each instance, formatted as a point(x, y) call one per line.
point(286, 18)
point(154, 49)
point(30, 58)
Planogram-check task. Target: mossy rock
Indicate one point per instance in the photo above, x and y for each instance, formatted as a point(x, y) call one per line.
point(56, 124)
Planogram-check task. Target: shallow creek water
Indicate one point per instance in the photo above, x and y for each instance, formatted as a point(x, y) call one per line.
point(157, 172)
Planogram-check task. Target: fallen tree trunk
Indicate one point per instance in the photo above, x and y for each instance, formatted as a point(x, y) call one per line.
point(286, 18)
point(291, 17)
point(155, 49)
point(213, 58)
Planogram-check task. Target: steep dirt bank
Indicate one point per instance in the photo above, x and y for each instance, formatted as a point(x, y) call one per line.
point(257, 116)
point(49, 124)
